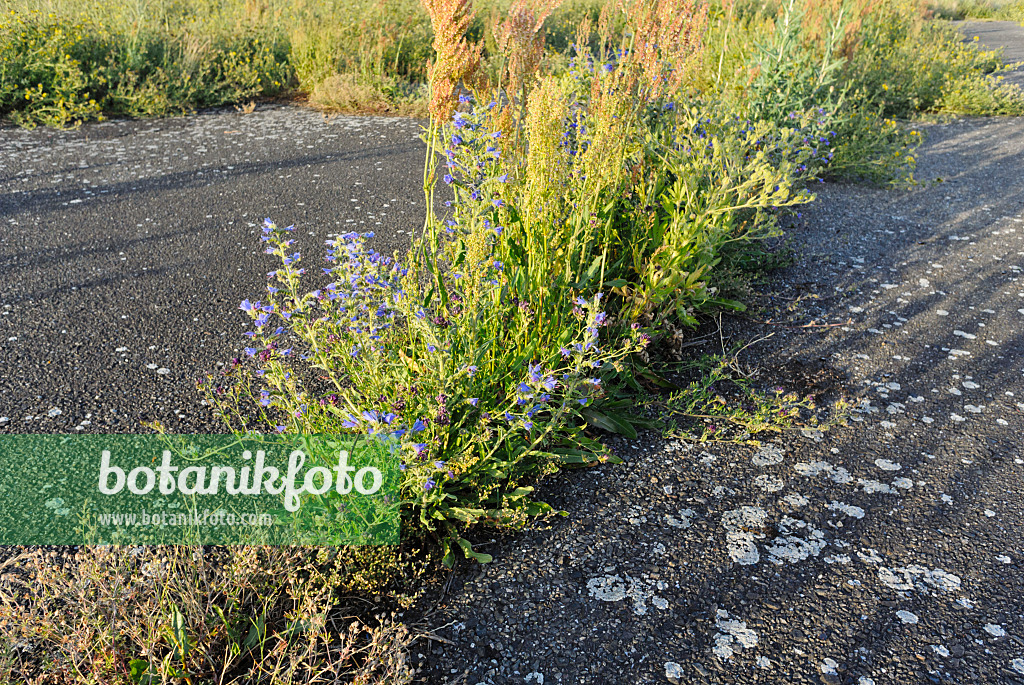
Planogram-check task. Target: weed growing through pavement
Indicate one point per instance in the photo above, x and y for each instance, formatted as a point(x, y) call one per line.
point(460, 378)
point(590, 207)
point(724, 403)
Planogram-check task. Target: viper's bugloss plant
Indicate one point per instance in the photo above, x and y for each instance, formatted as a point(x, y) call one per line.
point(481, 411)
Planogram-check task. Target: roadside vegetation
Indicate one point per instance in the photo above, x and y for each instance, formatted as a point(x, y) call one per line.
point(610, 171)
point(67, 61)
point(994, 10)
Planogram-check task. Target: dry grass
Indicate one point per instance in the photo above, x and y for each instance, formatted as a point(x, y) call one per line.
point(350, 94)
point(122, 615)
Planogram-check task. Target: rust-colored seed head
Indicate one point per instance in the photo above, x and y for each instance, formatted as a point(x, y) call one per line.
point(457, 59)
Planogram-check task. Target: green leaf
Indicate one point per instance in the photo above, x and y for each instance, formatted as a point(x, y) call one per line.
point(570, 456)
point(612, 424)
point(654, 378)
point(257, 632)
point(464, 514)
point(179, 633)
point(468, 549)
point(138, 671)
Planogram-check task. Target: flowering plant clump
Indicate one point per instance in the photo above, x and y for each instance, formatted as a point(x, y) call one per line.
point(365, 354)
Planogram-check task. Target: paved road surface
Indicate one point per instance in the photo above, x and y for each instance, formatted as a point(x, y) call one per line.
point(125, 248)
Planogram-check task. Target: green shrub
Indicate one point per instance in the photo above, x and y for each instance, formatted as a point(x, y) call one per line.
point(907, 64)
point(976, 95)
point(58, 73)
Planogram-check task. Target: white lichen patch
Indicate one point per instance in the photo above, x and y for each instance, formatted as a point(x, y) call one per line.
point(887, 465)
point(848, 509)
point(1018, 665)
point(837, 559)
point(732, 635)
point(673, 671)
point(742, 529)
point(612, 588)
point(872, 486)
point(769, 483)
point(940, 650)
point(870, 558)
point(907, 617)
point(918, 577)
point(767, 455)
point(836, 473)
point(789, 547)
point(903, 483)
point(796, 500)
point(995, 630)
point(829, 666)
point(685, 519)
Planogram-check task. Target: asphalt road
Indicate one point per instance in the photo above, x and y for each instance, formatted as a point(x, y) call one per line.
point(127, 246)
